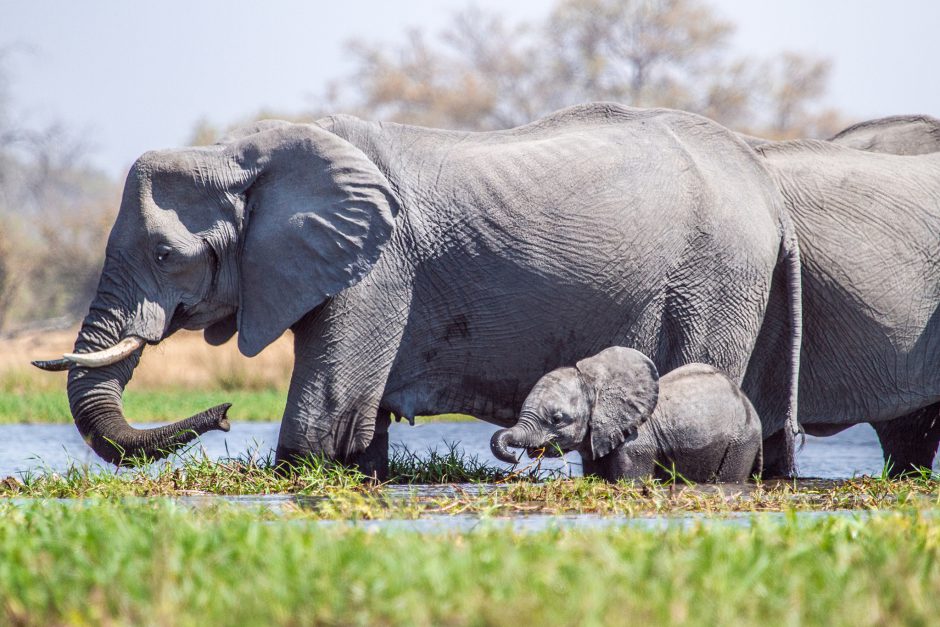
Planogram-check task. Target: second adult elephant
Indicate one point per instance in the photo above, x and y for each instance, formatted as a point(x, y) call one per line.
point(426, 271)
point(911, 440)
point(868, 225)
point(895, 135)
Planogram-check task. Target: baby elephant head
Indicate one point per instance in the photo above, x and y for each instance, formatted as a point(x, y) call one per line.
point(591, 408)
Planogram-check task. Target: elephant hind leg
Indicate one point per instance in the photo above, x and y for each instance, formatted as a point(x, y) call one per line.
point(779, 452)
point(373, 462)
point(910, 442)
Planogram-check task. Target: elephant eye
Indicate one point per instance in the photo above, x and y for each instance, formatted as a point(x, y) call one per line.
point(162, 252)
point(558, 416)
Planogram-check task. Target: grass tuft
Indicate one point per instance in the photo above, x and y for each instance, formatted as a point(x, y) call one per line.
point(451, 466)
point(193, 474)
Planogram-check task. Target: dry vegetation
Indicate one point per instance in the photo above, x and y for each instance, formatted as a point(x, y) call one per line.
point(182, 362)
point(182, 375)
point(330, 491)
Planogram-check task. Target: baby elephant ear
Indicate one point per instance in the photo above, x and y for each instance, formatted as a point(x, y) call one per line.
point(626, 387)
point(318, 215)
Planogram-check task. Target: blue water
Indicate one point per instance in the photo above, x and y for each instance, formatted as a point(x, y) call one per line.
point(32, 448)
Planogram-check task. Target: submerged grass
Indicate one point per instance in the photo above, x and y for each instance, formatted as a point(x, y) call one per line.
point(476, 488)
point(159, 563)
point(254, 473)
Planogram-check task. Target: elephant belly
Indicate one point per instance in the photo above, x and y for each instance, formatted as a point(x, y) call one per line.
point(860, 367)
point(493, 400)
point(478, 348)
point(871, 287)
point(488, 379)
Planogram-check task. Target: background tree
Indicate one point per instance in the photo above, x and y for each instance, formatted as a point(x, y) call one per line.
point(479, 73)
point(55, 214)
point(794, 83)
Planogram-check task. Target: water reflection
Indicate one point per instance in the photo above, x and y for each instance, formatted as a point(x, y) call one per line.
point(32, 448)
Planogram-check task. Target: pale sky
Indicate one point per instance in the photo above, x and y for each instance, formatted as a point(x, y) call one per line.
point(135, 76)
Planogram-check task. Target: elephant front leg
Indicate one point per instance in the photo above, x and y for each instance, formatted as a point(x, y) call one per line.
point(593, 467)
point(342, 363)
point(619, 464)
point(910, 442)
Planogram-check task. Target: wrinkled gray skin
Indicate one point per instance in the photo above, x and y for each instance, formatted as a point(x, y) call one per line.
point(911, 440)
point(896, 135)
point(426, 271)
point(627, 423)
point(868, 226)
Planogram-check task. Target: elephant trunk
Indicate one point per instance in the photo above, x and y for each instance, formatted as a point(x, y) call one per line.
point(95, 399)
point(500, 443)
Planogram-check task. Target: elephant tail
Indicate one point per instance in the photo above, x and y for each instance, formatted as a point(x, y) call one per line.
point(791, 258)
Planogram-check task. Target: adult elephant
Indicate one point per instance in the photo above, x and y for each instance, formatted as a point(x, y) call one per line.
point(910, 440)
point(896, 135)
point(426, 271)
point(867, 222)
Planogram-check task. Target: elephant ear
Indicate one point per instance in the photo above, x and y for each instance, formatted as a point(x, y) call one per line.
point(318, 214)
point(626, 388)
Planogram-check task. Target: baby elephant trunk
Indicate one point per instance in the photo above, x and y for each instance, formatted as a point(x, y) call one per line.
point(500, 443)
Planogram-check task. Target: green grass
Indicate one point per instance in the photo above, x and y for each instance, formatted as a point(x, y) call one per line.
point(51, 406)
point(253, 474)
point(452, 466)
point(46, 406)
point(159, 563)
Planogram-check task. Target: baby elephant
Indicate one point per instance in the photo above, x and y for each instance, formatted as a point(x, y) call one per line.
point(695, 417)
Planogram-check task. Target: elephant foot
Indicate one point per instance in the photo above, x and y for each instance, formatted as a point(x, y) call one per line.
point(779, 456)
point(910, 442)
point(373, 462)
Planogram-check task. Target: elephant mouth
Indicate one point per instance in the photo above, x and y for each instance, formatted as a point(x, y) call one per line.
point(189, 316)
point(180, 318)
point(544, 451)
point(195, 317)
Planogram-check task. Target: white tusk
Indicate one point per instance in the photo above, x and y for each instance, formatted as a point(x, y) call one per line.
point(108, 356)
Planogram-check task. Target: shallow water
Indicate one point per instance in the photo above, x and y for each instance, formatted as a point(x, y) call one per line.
point(33, 448)
point(462, 523)
point(280, 504)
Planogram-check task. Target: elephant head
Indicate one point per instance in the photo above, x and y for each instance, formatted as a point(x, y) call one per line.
point(246, 236)
point(591, 408)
